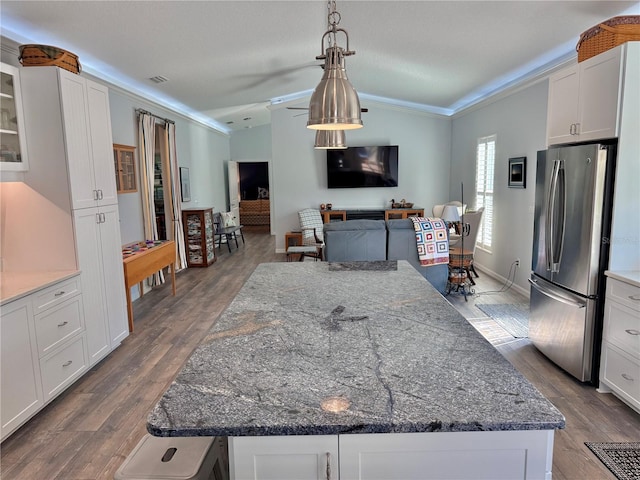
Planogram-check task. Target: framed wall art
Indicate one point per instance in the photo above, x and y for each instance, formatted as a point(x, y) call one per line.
point(185, 186)
point(518, 172)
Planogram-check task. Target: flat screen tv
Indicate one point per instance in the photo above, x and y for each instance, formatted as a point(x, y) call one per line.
point(356, 167)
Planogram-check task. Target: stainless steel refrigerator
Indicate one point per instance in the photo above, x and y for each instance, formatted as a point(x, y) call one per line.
point(572, 222)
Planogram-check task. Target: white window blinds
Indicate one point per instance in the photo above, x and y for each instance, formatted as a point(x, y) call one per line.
point(485, 166)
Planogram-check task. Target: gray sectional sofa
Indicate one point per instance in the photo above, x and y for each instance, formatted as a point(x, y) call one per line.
point(370, 240)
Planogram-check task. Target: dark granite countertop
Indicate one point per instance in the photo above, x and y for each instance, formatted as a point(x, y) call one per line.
point(319, 348)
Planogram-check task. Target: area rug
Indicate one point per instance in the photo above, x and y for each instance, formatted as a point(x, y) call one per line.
point(513, 317)
point(622, 458)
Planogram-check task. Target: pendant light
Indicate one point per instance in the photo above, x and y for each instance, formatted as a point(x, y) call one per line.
point(334, 103)
point(330, 139)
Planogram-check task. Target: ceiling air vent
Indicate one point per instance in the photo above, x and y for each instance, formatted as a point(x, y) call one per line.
point(159, 79)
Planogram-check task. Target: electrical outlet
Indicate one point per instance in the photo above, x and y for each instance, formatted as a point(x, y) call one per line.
point(517, 262)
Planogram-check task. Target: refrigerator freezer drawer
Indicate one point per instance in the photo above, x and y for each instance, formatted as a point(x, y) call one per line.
point(561, 326)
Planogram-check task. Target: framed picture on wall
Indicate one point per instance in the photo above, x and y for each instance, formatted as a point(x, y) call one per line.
point(518, 172)
point(185, 187)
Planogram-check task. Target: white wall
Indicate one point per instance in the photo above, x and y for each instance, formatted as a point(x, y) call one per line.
point(519, 122)
point(298, 172)
point(203, 150)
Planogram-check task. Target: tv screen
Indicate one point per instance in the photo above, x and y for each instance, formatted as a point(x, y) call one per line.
point(355, 167)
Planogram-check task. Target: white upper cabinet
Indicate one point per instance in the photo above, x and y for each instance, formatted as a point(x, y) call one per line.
point(13, 148)
point(584, 99)
point(87, 123)
point(69, 125)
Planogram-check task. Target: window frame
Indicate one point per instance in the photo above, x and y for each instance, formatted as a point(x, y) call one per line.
point(485, 193)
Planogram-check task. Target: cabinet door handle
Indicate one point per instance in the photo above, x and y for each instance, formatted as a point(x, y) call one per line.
point(632, 331)
point(571, 127)
point(103, 218)
point(635, 297)
point(577, 129)
point(67, 363)
point(627, 377)
point(95, 195)
point(328, 466)
point(100, 196)
point(61, 292)
point(63, 324)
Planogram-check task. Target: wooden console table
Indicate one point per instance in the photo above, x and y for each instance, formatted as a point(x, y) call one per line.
point(327, 215)
point(144, 263)
point(403, 213)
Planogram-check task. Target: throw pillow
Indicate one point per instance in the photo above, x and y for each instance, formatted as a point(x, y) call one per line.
point(263, 192)
point(228, 220)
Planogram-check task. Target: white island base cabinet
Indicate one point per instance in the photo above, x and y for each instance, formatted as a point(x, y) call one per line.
point(442, 455)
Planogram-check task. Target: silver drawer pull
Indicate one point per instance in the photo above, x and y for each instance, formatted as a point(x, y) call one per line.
point(63, 324)
point(635, 297)
point(67, 363)
point(627, 377)
point(61, 292)
point(632, 331)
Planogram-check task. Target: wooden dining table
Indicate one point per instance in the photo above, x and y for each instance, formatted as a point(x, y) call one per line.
point(141, 264)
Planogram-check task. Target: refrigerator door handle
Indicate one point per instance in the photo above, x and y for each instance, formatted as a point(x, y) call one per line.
point(555, 296)
point(554, 238)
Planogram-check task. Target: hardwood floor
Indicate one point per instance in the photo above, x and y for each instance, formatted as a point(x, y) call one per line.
point(88, 431)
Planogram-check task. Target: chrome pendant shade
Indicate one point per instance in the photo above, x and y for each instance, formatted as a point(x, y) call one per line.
point(334, 103)
point(330, 139)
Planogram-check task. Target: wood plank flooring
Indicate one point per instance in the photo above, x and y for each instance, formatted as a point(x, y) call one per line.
point(88, 431)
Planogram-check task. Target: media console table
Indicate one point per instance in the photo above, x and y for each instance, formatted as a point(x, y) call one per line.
point(370, 214)
point(144, 263)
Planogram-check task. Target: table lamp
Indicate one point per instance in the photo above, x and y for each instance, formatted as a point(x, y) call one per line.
point(450, 215)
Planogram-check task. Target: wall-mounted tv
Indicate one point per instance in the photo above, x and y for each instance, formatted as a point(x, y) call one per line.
point(356, 167)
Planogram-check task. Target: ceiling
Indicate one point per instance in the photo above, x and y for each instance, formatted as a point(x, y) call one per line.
point(226, 61)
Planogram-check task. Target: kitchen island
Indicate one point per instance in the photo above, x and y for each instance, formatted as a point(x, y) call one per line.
point(356, 370)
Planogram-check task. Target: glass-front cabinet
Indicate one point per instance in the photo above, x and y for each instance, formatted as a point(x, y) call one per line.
point(13, 151)
point(199, 236)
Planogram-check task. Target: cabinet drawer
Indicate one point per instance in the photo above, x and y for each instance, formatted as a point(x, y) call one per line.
point(55, 294)
point(622, 374)
point(60, 369)
point(624, 293)
point(58, 324)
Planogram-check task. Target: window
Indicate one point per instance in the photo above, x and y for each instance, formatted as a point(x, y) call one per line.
point(485, 166)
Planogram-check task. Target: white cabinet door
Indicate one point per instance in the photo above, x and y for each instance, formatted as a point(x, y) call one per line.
point(113, 271)
point(562, 110)
point(87, 128)
point(21, 392)
point(600, 79)
point(77, 139)
point(101, 143)
point(89, 251)
point(507, 455)
point(308, 457)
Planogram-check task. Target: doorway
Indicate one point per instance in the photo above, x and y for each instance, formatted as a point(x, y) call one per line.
point(254, 180)
point(160, 179)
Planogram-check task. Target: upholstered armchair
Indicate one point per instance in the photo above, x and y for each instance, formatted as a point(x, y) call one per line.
point(311, 226)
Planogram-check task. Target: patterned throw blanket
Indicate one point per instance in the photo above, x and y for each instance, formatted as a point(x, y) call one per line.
point(432, 240)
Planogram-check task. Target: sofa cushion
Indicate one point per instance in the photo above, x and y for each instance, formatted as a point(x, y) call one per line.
point(355, 241)
point(355, 225)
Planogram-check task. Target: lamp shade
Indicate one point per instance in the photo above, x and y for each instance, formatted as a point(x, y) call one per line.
point(334, 104)
point(450, 214)
point(334, 139)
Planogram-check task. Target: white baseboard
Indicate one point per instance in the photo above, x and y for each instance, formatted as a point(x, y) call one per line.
point(502, 279)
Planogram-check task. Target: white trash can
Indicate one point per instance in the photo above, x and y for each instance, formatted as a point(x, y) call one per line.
point(176, 458)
